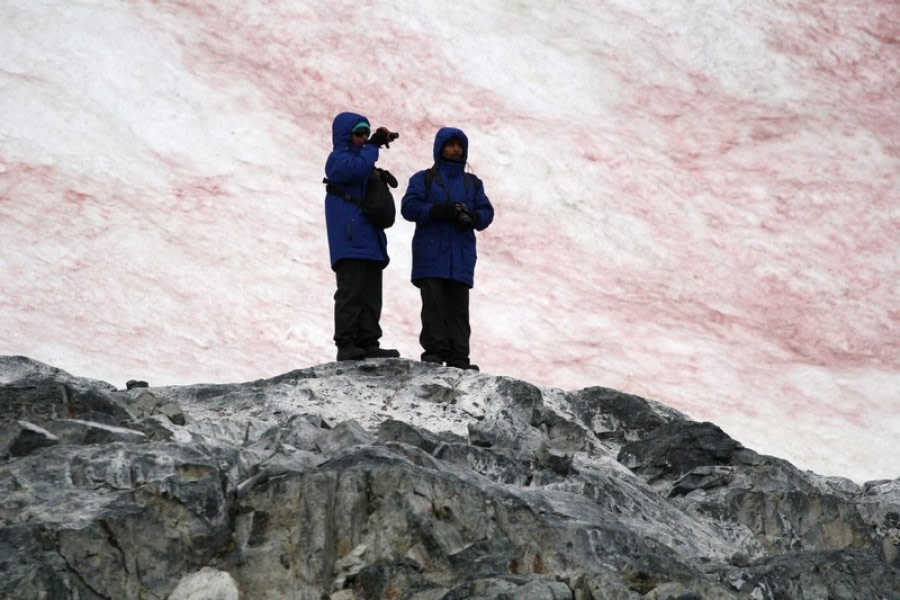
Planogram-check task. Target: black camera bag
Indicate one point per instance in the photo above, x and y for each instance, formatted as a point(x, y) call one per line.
point(378, 204)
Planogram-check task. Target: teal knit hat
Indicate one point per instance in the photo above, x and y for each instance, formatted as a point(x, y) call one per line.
point(361, 125)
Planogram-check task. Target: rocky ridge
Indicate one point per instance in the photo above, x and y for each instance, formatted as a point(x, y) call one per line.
point(393, 479)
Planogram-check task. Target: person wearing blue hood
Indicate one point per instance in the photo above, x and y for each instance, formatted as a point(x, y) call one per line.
point(358, 248)
point(448, 206)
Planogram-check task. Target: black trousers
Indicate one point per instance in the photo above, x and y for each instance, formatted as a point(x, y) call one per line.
point(357, 303)
point(445, 320)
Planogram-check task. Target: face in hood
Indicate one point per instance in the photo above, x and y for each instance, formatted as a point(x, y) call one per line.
point(342, 127)
point(446, 133)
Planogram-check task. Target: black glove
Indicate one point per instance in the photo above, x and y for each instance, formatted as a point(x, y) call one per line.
point(443, 211)
point(388, 178)
point(465, 219)
point(380, 137)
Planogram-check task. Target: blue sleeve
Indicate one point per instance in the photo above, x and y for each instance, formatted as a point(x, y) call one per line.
point(484, 210)
point(350, 167)
point(415, 206)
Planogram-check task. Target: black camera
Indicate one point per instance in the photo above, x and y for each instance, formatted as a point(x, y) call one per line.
point(382, 137)
point(464, 218)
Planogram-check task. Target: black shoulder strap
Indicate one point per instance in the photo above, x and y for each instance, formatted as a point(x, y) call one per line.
point(429, 177)
point(336, 191)
point(431, 174)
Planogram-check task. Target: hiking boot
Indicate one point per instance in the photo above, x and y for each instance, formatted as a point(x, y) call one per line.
point(350, 353)
point(376, 352)
point(462, 363)
point(432, 358)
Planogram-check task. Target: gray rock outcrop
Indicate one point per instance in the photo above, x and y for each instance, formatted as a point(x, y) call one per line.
point(393, 479)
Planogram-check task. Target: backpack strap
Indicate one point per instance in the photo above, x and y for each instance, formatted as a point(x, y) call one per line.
point(429, 177)
point(471, 180)
point(432, 173)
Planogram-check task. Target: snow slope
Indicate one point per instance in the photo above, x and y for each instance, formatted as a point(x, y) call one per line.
point(697, 203)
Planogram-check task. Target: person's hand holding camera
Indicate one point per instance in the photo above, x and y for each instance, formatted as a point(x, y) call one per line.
point(465, 219)
point(443, 211)
point(383, 137)
point(458, 213)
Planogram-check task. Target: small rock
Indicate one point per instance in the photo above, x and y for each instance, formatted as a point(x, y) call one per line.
point(206, 584)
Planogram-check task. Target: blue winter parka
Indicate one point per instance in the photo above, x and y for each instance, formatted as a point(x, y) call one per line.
point(350, 233)
point(441, 249)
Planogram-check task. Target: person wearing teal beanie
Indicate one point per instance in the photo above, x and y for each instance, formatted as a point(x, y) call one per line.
point(357, 246)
